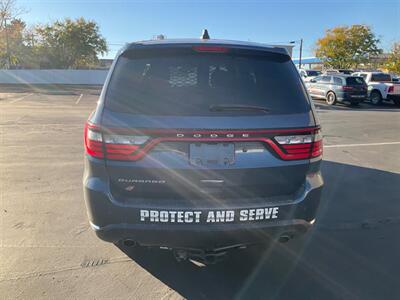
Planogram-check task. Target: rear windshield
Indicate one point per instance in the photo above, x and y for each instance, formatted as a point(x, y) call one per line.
point(355, 81)
point(185, 82)
point(381, 77)
point(313, 73)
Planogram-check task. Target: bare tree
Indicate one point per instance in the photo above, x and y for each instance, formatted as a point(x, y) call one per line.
point(9, 10)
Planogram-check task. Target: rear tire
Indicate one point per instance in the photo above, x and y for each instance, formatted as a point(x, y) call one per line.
point(376, 98)
point(397, 101)
point(331, 98)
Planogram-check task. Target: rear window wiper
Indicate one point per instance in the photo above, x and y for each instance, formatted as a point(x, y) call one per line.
point(237, 107)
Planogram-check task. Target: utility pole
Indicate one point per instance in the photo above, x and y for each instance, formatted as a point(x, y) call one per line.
point(301, 52)
point(301, 49)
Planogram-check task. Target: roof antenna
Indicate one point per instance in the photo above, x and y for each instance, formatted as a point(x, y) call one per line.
point(204, 35)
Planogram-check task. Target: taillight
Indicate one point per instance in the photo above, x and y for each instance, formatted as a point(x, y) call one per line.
point(93, 141)
point(132, 145)
point(347, 88)
point(318, 145)
point(123, 147)
point(300, 146)
point(111, 146)
point(391, 89)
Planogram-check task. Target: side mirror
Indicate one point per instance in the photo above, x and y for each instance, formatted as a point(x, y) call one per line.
point(313, 80)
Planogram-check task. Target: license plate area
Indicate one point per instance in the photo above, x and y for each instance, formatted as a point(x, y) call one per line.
point(212, 155)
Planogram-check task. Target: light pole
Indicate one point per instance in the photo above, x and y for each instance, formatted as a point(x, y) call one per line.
point(301, 49)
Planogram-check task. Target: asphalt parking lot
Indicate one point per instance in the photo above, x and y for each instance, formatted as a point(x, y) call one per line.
point(47, 249)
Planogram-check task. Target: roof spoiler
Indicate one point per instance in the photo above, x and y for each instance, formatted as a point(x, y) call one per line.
point(141, 45)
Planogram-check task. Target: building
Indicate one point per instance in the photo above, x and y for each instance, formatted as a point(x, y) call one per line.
point(309, 63)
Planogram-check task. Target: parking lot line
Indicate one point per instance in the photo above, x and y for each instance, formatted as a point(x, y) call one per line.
point(79, 99)
point(362, 145)
point(21, 98)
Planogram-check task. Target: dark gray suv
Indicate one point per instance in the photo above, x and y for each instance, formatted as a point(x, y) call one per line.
point(201, 146)
point(338, 88)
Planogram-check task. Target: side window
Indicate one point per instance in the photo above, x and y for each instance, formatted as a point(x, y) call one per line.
point(325, 79)
point(317, 79)
point(337, 80)
point(374, 77)
point(381, 77)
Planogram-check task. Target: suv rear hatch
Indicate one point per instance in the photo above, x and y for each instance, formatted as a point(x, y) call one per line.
point(215, 123)
point(356, 86)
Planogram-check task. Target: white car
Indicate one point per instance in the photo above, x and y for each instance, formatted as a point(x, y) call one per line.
point(307, 75)
point(381, 87)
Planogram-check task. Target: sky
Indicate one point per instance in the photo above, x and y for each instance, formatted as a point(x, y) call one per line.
point(257, 21)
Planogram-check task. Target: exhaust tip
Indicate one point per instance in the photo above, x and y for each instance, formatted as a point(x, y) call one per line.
point(130, 243)
point(284, 238)
point(180, 255)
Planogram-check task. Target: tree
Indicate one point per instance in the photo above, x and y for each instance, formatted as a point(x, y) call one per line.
point(70, 43)
point(11, 33)
point(347, 46)
point(10, 42)
point(392, 63)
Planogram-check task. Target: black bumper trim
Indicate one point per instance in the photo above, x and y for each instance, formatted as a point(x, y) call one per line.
point(200, 236)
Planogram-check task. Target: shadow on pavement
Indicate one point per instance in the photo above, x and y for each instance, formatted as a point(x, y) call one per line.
point(365, 106)
point(340, 258)
point(51, 89)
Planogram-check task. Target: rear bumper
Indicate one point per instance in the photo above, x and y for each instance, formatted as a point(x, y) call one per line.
point(201, 237)
point(114, 221)
point(352, 98)
point(394, 97)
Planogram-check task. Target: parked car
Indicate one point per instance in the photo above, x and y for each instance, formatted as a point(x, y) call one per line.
point(200, 146)
point(340, 71)
point(330, 72)
point(381, 87)
point(307, 75)
point(338, 88)
point(346, 71)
